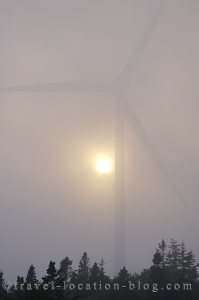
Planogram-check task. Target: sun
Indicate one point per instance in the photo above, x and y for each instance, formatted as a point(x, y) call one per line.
point(104, 166)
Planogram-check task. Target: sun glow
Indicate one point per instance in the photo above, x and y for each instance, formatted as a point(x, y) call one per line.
point(104, 165)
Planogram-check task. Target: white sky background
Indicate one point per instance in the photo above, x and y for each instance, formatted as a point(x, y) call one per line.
point(52, 202)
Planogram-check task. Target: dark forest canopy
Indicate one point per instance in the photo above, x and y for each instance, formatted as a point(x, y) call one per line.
point(172, 275)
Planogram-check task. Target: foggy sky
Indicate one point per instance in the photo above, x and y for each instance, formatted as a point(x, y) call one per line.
point(53, 203)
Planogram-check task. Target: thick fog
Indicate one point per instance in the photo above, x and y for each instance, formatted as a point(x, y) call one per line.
point(53, 203)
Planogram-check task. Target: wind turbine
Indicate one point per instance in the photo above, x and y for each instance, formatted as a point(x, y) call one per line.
point(123, 112)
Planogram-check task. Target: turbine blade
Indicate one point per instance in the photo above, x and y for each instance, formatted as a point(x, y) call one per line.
point(133, 119)
point(137, 54)
point(122, 80)
point(61, 87)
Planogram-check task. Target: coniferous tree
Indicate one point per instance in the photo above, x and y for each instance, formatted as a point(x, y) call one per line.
point(84, 269)
point(31, 285)
point(123, 276)
point(122, 279)
point(51, 280)
point(172, 259)
point(31, 277)
point(163, 247)
point(102, 275)
point(74, 277)
point(156, 272)
point(83, 274)
point(2, 282)
point(20, 281)
point(20, 288)
point(51, 273)
point(65, 270)
point(94, 273)
point(157, 259)
point(187, 264)
point(177, 265)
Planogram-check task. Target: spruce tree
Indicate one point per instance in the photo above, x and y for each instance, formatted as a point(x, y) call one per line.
point(187, 264)
point(31, 277)
point(94, 273)
point(163, 247)
point(157, 259)
point(102, 275)
point(172, 259)
point(65, 270)
point(84, 269)
point(2, 290)
point(123, 277)
point(51, 273)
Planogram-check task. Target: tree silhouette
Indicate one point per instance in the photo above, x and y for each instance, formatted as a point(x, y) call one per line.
point(102, 275)
point(31, 277)
point(51, 273)
point(65, 270)
point(94, 273)
point(157, 259)
point(2, 282)
point(172, 259)
point(84, 269)
point(163, 247)
point(83, 274)
point(173, 264)
point(123, 276)
point(187, 264)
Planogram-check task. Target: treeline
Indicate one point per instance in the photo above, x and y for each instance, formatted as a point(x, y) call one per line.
point(172, 275)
